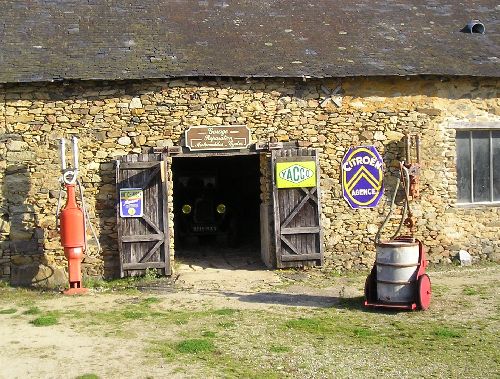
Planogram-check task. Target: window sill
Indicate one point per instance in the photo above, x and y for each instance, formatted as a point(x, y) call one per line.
point(492, 204)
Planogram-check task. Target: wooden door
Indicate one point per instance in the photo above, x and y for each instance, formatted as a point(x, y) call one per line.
point(144, 241)
point(297, 214)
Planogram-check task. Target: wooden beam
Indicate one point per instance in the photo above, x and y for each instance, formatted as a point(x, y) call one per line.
point(289, 244)
point(298, 207)
point(311, 193)
point(118, 220)
point(151, 223)
point(151, 252)
point(152, 175)
point(318, 205)
point(143, 266)
point(164, 210)
point(143, 238)
point(301, 257)
point(138, 165)
point(301, 230)
point(276, 210)
point(296, 158)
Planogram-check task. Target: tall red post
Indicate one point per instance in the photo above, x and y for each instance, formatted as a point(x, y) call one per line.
point(73, 240)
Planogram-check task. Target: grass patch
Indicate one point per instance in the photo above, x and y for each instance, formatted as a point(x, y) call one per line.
point(225, 312)
point(480, 290)
point(440, 290)
point(87, 376)
point(220, 365)
point(279, 349)
point(8, 311)
point(32, 311)
point(363, 332)
point(227, 325)
point(133, 314)
point(470, 291)
point(310, 325)
point(150, 300)
point(150, 274)
point(24, 297)
point(165, 349)
point(208, 334)
point(444, 332)
point(195, 346)
point(124, 285)
point(46, 320)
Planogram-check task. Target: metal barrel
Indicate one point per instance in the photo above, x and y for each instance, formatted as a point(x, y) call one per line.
point(397, 266)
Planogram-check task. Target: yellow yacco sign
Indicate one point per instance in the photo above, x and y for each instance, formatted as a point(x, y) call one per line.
point(296, 174)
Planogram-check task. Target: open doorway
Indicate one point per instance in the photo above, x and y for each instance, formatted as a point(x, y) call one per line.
point(217, 208)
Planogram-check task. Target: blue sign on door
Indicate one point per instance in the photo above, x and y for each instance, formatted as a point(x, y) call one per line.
point(131, 202)
point(362, 177)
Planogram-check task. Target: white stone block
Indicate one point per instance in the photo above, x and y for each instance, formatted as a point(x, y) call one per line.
point(465, 258)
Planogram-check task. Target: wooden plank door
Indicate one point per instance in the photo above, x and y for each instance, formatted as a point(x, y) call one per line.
point(297, 214)
point(144, 241)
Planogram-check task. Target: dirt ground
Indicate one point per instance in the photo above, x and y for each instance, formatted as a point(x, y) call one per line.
point(73, 347)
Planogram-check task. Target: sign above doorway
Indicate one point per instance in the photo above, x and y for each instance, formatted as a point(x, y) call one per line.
point(228, 137)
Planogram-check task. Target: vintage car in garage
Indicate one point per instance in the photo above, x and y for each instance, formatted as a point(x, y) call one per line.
point(204, 211)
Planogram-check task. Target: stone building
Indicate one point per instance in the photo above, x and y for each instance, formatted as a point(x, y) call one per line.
point(310, 77)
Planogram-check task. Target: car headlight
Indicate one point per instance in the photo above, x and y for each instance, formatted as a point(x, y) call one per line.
point(221, 208)
point(186, 209)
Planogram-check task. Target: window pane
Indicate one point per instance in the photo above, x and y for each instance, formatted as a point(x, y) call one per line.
point(481, 165)
point(495, 149)
point(463, 167)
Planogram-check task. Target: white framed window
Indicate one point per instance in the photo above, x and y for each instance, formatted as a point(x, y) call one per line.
point(478, 166)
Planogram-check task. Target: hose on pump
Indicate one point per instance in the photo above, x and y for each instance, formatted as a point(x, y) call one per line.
point(404, 178)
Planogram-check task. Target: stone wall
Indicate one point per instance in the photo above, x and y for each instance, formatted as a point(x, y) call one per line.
point(117, 118)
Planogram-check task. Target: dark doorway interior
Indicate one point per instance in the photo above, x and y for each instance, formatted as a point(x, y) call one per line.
point(216, 205)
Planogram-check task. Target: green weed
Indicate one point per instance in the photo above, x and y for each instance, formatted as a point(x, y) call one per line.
point(439, 290)
point(46, 320)
point(32, 311)
point(227, 325)
point(480, 290)
point(8, 311)
point(470, 291)
point(279, 349)
point(195, 346)
point(150, 274)
point(310, 325)
point(93, 282)
point(225, 312)
point(363, 332)
point(133, 314)
point(87, 376)
point(150, 300)
point(208, 334)
point(444, 332)
point(165, 349)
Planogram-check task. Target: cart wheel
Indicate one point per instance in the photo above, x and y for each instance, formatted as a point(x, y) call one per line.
point(424, 292)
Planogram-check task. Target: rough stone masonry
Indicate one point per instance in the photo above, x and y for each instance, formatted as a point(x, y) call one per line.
point(123, 117)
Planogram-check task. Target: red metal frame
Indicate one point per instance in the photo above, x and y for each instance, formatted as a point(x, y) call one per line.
point(421, 299)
